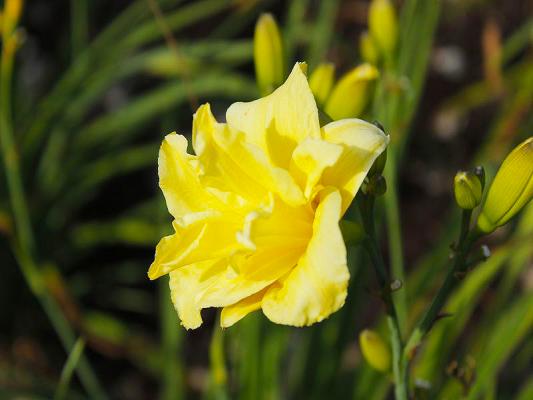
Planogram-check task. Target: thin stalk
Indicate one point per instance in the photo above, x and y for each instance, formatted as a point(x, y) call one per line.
point(219, 376)
point(68, 369)
point(79, 20)
point(9, 151)
point(382, 274)
point(171, 337)
point(24, 248)
point(394, 234)
point(250, 358)
point(452, 278)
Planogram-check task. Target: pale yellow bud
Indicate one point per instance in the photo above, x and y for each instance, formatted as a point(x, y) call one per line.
point(321, 82)
point(375, 350)
point(511, 189)
point(351, 94)
point(383, 25)
point(268, 55)
point(467, 189)
point(11, 15)
point(368, 49)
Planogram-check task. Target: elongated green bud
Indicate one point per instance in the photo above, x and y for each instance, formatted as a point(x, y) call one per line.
point(268, 55)
point(511, 189)
point(383, 25)
point(321, 82)
point(375, 350)
point(467, 189)
point(368, 48)
point(352, 93)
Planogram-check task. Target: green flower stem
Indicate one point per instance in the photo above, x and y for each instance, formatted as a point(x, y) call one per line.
point(9, 153)
point(453, 277)
point(68, 369)
point(394, 233)
point(172, 384)
point(382, 274)
point(24, 248)
point(217, 361)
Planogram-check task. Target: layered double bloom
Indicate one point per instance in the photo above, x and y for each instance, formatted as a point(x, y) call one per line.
point(256, 210)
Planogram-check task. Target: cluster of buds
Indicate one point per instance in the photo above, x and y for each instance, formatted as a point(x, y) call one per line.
point(349, 96)
point(346, 98)
point(510, 191)
point(381, 40)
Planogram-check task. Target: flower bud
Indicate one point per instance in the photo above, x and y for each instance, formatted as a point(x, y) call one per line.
point(375, 350)
point(368, 49)
point(383, 25)
point(268, 55)
point(511, 189)
point(479, 171)
point(352, 93)
point(11, 15)
point(468, 190)
point(321, 82)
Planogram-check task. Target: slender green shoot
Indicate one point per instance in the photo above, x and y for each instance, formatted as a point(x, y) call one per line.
point(68, 369)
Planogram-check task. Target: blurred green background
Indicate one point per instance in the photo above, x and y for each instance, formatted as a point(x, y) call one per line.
point(95, 87)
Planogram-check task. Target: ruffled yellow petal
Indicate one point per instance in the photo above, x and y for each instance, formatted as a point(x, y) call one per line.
point(362, 143)
point(219, 169)
point(234, 313)
point(279, 238)
point(269, 264)
point(310, 159)
point(187, 285)
point(219, 282)
point(204, 240)
point(231, 165)
point(278, 122)
point(256, 164)
point(178, 179)
point(316, 287)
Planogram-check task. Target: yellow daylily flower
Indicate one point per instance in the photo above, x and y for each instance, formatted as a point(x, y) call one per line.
point(256, 210)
